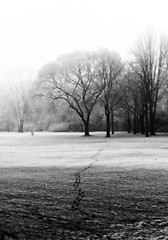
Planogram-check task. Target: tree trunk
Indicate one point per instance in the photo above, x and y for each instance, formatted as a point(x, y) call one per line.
point(152, 123)
point(86, 126)
point(20, 127)
point(142, 125)
point(129, 125)
point(112, 121)
point(107, 113)
point(135, 124)
point(146, 122)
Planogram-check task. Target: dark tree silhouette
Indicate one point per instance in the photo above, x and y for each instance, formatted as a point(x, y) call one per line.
point(74, 79)
point(150, 65)
point(110, 73)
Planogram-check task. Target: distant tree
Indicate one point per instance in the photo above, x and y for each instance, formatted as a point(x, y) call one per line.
point(16, 93)
point(19, 104)
point(150, 64)
point(110, 69)
point(133, 101)
point(126, 107)
point(5, 115)
point(74, 79)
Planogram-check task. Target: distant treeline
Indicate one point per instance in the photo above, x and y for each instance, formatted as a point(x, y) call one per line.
point(93, 91)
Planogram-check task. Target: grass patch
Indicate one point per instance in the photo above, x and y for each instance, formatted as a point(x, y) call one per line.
point(125, 190)
point(35, 203)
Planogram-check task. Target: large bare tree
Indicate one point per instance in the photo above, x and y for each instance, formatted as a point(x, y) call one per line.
point(132, 102)
point(74, 79)
point(150, 64)
point(110, 69)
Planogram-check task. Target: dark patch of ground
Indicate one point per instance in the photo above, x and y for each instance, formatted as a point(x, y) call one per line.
point(35, 203)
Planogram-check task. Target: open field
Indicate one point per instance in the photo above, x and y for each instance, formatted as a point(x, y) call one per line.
point(125, 191)
point(72, 149)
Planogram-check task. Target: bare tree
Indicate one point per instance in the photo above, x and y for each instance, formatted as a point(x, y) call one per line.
point(19, 104)
point(133, 100)
point(74, 79)
point(151, 67)
point(126, 106)
point(110, 69)
point(16, 93)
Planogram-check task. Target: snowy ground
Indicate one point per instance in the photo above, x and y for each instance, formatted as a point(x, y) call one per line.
point(72, 149)
point(125, 191)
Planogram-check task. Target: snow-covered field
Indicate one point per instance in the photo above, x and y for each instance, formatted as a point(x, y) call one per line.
point(72, 149)
point(125, 192)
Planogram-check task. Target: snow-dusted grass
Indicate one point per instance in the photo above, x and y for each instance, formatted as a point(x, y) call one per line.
point(72, 149)
point(126, 189)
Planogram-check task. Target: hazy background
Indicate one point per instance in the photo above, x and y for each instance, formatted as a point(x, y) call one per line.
point(35, 32)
